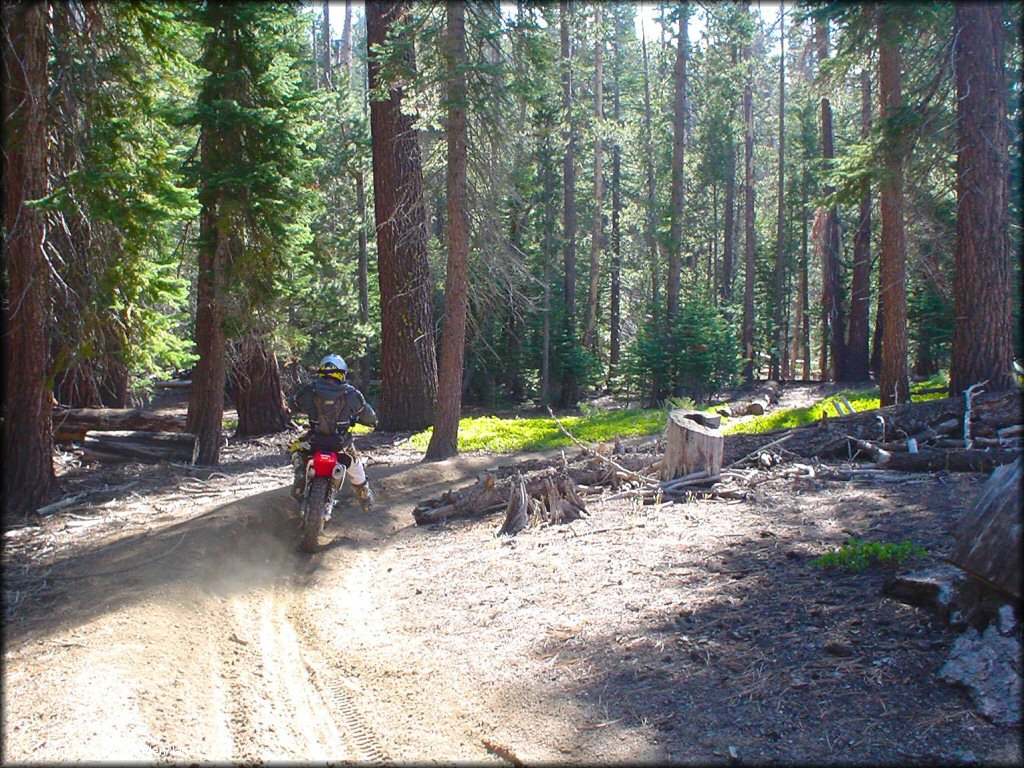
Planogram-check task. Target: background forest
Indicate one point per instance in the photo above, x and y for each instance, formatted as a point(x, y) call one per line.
point(499, 204)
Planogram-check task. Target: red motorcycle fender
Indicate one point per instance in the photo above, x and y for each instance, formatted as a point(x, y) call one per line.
point(323, 463)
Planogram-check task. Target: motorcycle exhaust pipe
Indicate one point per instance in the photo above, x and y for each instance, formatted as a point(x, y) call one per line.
point(338, 472)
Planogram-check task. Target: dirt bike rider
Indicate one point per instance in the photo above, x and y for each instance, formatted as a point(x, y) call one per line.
point(333, 406)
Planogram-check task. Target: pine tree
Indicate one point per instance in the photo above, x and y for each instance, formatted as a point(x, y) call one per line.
point(408, 362)
point(444, 440)
point(254, 220)
point(27, 432)
point(982, 338)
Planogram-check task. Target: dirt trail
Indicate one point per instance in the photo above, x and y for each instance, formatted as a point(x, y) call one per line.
point(208, 636)
point(178, 623)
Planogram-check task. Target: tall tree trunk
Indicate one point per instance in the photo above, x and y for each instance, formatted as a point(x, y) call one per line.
point(831, 302)
point(363, 280)
point(346, 43)
point(678, 199)
point(408, 362)
point(548, 176)
point(650, 230)
point(778, 270)
point(749, 365)
point(894, 384)
point(444, 440)
point(209, 377)
point(876, 336)
point(803, 290)
point(597, 224)
point(325, 52)
point(256, 387)
point(219, 238)
point(27, 429)
point(729, 239)
point(713, 266)
point(615, 307)
point(860, 290)
point(982, 335)
point(570, 387)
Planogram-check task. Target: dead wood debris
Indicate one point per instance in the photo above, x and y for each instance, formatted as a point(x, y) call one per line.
point(899, 440)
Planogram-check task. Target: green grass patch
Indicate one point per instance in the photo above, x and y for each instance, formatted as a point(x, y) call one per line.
point(860, 400)
point(497, 435)
point(856, 555)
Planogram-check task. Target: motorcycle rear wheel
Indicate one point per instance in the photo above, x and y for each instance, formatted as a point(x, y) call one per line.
point(315, 510)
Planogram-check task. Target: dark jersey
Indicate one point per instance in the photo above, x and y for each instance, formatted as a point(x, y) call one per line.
point(333, 406)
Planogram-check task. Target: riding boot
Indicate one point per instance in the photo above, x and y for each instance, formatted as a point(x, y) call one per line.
point(364, 495)
point(299, 484)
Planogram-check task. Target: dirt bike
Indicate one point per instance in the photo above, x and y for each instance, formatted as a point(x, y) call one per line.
point(325, 476)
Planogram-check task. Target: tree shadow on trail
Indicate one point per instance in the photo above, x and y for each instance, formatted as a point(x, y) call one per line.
point(244, 545)
point(761, 656)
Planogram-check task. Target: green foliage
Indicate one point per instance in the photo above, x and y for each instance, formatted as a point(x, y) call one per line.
point(860, 400)
point(698, 356)
point(498, 435)
point(254, 172)
point(118, 194)
point(856, 555)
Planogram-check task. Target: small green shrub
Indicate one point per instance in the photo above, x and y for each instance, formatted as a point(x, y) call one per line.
point(856, 555)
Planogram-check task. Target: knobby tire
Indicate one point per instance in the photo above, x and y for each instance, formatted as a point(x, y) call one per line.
point(315, 512)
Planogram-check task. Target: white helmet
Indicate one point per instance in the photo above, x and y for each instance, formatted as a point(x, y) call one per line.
point(334, 367)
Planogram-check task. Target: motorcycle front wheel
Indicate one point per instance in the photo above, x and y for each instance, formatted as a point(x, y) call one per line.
point(314, 511)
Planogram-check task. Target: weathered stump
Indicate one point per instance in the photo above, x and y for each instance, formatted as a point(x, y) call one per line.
point(988, 538)
point(693, 443)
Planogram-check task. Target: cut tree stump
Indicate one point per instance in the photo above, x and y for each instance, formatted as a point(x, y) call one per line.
point(693, 443)
point(71, 424)
point(144, 447)
point(988, 538)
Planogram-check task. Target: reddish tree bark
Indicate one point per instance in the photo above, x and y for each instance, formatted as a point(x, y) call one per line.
point(860, 289)
point(982, 335)
point(206, 397)
point(894, 384)
point(256, 388)
point(27, 427)
point(444, 440)
point(408, 361)
point(831, 302)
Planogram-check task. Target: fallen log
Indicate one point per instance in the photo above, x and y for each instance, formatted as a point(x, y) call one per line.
point(71, 424)
point(551, 493)
point(880, 456)
point(963, 460)
point(755, 404)
point(173, 384)
point(144, 447)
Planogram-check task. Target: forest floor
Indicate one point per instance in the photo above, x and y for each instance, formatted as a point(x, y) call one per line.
point(166, 616)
